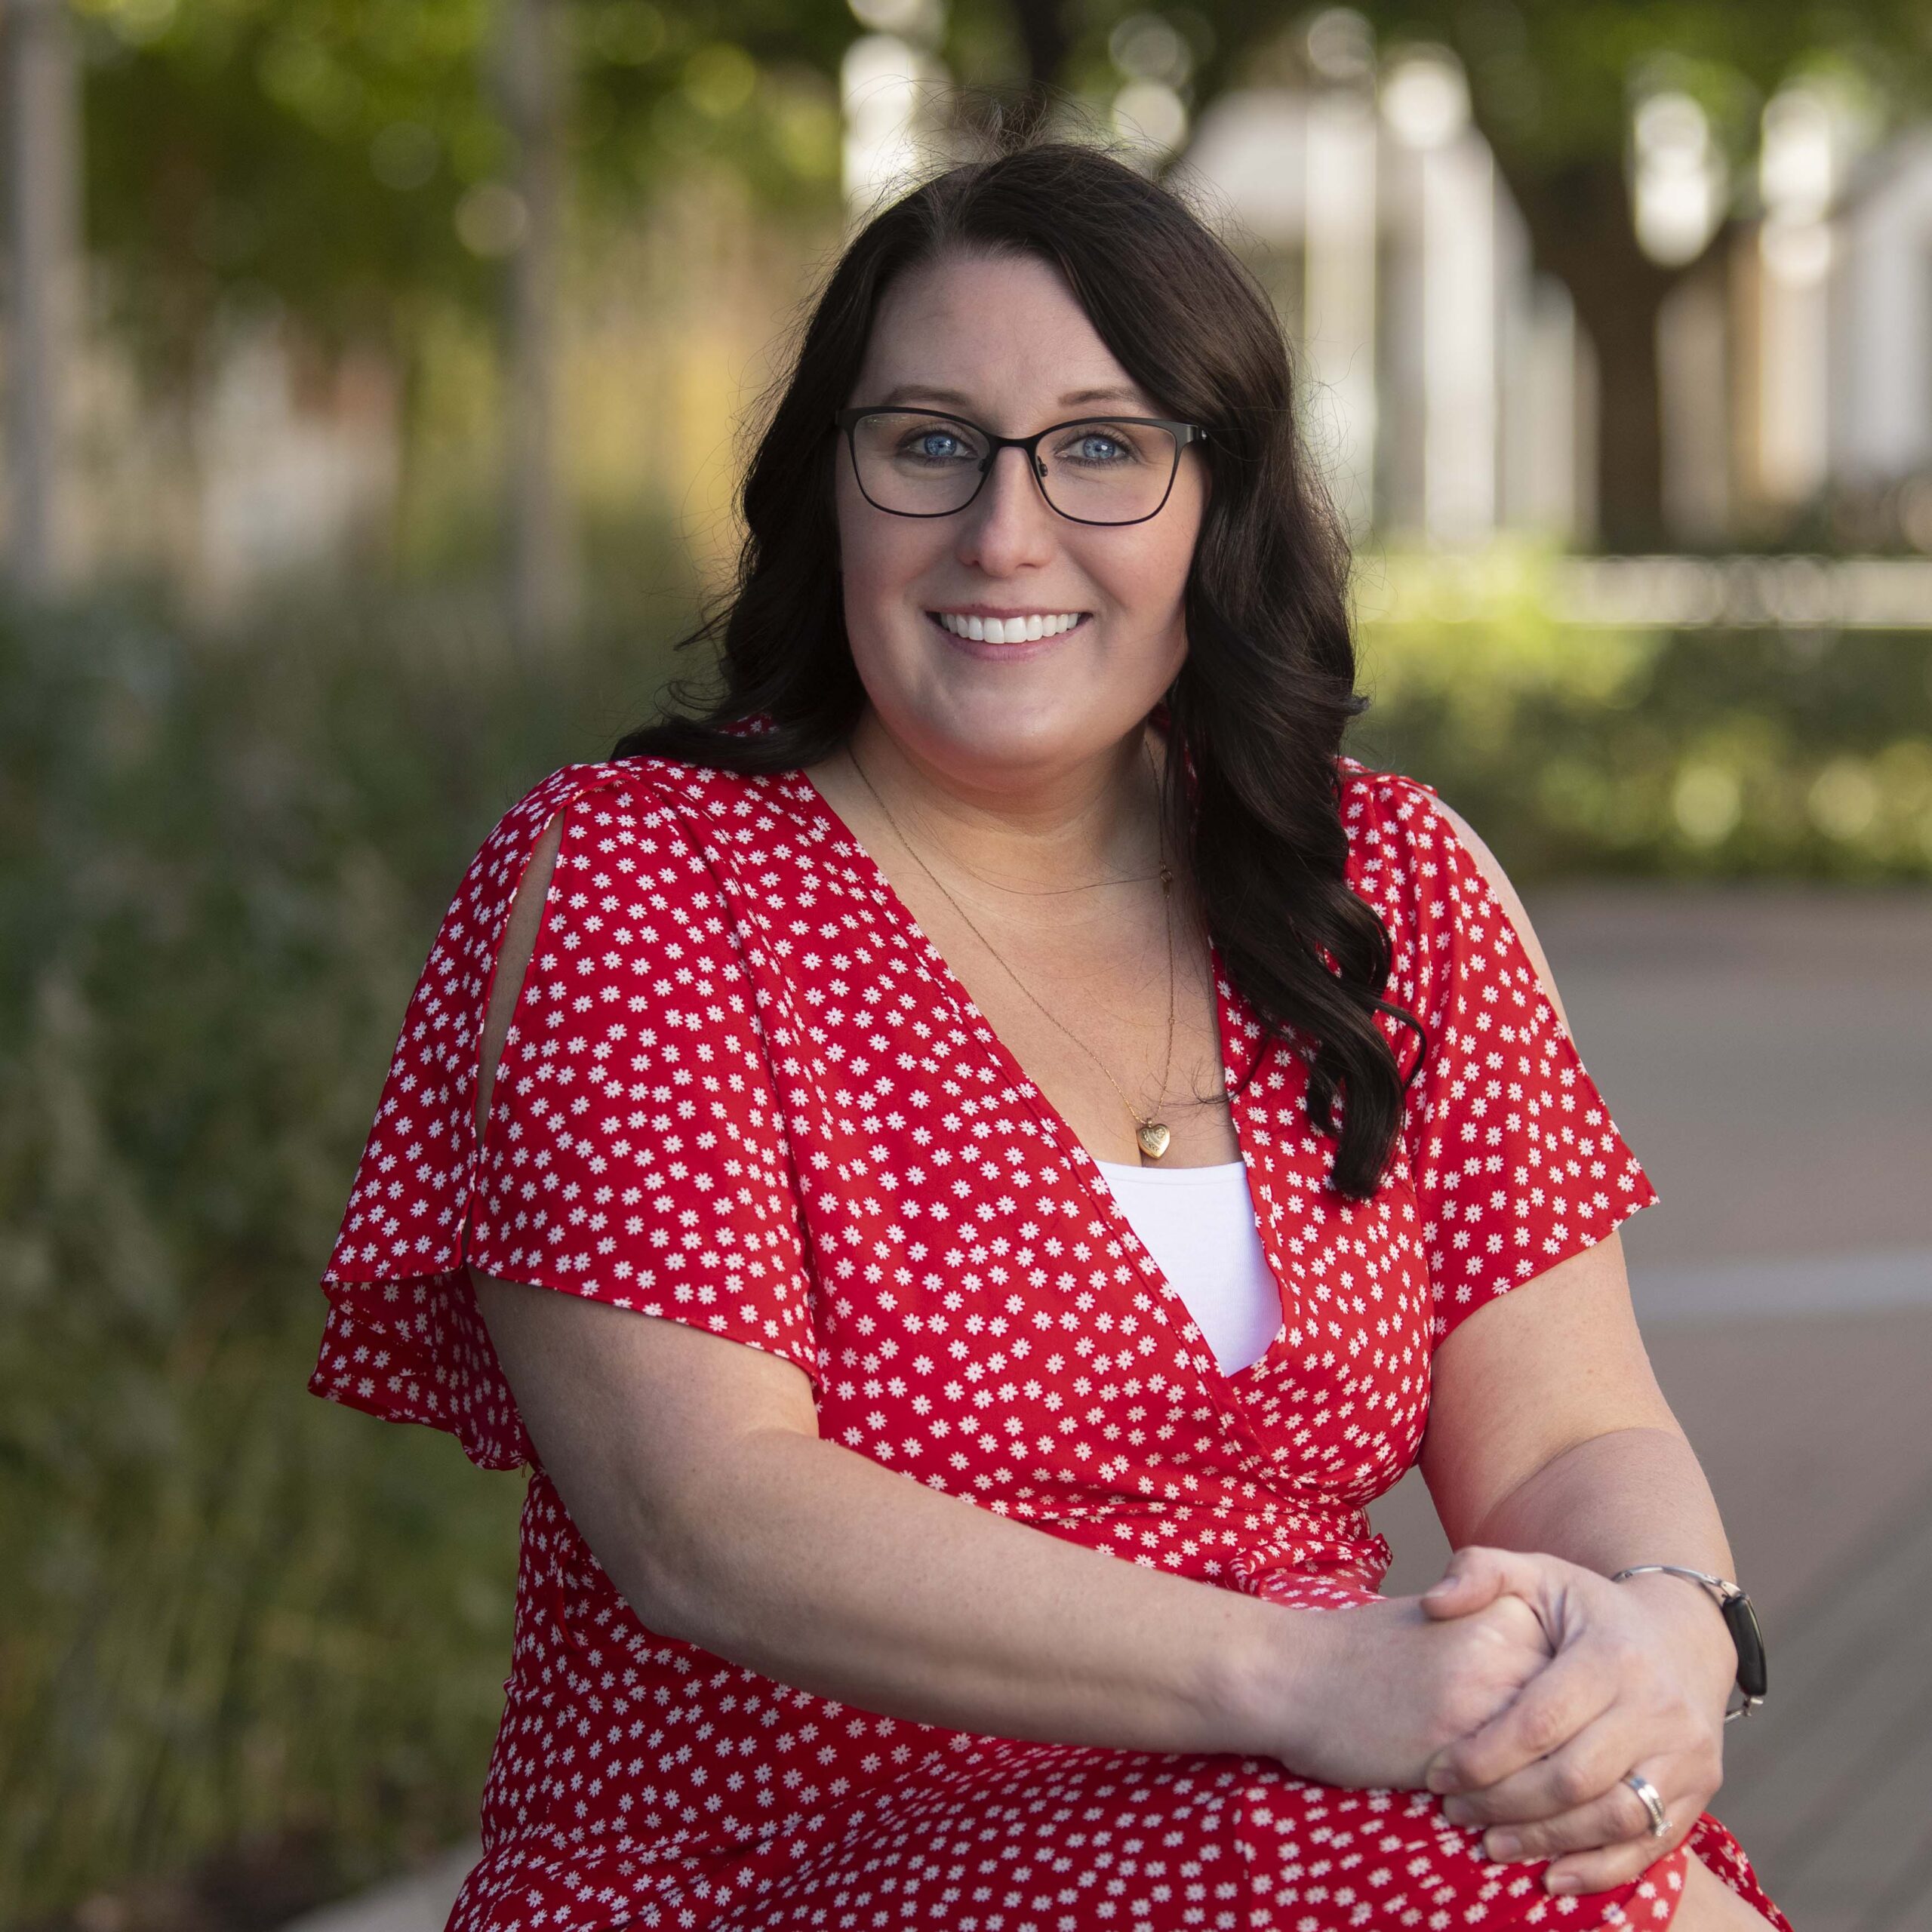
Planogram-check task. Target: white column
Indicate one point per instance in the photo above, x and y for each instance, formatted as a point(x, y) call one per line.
point(1425, 103)
point(1882, 363)
point(1458, 341)
point(892, 93)
point(1338, 321)
point(1794, 247)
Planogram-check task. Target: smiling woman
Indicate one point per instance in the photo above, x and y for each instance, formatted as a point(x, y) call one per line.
point(915, 1536)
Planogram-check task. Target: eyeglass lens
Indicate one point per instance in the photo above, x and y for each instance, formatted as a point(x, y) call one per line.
point(1099, 470)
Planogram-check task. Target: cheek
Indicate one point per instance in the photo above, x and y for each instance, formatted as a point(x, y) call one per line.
point(1180, 539)
point(1148, 578)
point(879, 555)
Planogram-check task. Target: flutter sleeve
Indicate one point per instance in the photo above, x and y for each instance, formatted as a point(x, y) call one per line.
point(1515, 1162)
point(634, 1152)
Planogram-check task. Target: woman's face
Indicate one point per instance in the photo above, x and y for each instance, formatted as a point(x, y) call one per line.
point(1002, 341)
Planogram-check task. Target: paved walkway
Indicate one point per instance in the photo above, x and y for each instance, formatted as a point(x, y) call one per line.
point(1768, 1054)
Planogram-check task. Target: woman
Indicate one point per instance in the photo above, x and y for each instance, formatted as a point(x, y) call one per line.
point(1002, 1043)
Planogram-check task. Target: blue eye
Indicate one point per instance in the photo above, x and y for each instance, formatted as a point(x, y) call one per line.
point(1101, 449)
point(935, 444)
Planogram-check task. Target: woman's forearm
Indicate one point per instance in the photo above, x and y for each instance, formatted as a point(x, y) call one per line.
point(1630, 1495)
point(811, 1563)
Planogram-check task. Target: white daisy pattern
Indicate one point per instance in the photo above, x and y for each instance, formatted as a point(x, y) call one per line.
point(742, 1090)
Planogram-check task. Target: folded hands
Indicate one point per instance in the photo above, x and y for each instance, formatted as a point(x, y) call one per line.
point(1636, 1680)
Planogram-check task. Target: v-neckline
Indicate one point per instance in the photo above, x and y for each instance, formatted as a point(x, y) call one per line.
point(1085, 1164)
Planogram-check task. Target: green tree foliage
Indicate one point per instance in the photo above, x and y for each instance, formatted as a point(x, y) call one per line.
point(341, 155)
point(313, 150)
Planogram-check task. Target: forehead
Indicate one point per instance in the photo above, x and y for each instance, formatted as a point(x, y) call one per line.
point(1004, 332)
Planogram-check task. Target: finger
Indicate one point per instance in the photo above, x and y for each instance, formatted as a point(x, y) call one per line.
point(1614, 1865)
point(1475, 1577)
point(1549, 1710)
point(1613, 1816)
point(1577, 1774)
point(1597, 1871)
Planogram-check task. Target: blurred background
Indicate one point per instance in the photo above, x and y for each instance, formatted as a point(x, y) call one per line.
point(375, 380)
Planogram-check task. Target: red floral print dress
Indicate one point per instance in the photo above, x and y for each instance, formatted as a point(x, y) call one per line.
point(741, 1089)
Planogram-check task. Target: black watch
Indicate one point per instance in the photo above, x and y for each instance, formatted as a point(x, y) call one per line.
point(1740, 1619)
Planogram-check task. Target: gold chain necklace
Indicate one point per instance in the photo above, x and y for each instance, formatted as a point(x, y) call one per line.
point(1153, 1136)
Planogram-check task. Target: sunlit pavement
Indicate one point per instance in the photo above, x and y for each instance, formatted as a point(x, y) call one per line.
point(419, 1902)
point(1768, 1054)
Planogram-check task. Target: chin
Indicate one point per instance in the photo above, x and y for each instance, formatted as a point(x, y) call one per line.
point(989, 735)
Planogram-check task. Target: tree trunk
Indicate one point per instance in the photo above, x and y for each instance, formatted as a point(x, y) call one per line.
point(1044, 36)
point(1582, 231)
point(40, 111)
point(542, 586)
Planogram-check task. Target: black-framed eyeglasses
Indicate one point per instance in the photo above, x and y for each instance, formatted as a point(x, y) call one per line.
point(1103, 469)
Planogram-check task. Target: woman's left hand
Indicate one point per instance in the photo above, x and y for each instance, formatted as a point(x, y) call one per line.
point(1639, 1682)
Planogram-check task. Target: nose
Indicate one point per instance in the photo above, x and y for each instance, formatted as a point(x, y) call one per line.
point(1008, 526)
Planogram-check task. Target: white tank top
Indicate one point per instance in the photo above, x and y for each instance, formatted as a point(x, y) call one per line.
point(1199, 1224)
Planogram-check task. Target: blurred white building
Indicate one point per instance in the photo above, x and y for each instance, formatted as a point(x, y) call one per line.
point(1796, 358)
point(1879, 339)
point(1446, 387)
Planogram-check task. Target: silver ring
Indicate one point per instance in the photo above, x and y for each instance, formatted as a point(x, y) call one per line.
point(1653, 1804)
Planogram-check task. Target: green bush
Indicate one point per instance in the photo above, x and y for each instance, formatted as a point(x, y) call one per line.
point(230, 1612)
point(1791, 754)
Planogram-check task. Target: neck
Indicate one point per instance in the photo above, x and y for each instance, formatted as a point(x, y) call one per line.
point(1096, 820)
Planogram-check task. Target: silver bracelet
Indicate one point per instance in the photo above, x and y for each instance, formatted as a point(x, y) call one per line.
point(1740, 1620)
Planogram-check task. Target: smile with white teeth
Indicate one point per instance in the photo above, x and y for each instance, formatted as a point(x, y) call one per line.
point(1009, 630)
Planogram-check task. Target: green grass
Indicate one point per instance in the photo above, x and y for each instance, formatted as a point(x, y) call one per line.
point(231, 1614)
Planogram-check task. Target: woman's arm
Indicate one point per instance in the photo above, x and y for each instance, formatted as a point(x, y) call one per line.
point(1554, 1461)
point(1548, 1436)
point(1547, 1430)
point(691, 1466)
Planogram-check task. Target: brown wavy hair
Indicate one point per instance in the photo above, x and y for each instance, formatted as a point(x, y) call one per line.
point(1260, 704)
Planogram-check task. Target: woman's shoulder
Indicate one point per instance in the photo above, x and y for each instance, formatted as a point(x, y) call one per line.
point(1367, 788)
point(1404, 840)
point(639, 845)
point(625, 794)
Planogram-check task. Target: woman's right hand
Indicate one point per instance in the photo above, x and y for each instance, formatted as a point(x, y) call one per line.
point(1373, 1694)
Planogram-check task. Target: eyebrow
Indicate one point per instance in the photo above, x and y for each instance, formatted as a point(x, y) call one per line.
point(926, 393)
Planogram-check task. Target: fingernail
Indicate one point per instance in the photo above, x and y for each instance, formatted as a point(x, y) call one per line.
point(1563, 1882)
point(1458, 1811)
point(1504, 1844)
point(1440, 1589)
point(1443, 1780)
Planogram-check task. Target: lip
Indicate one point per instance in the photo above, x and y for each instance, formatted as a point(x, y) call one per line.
point(1001, 653)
